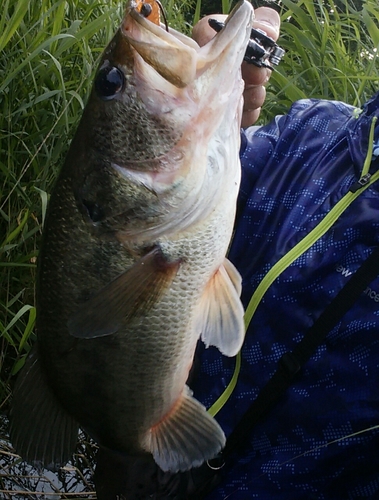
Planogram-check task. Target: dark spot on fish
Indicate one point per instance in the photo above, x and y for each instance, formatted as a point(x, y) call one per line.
point(95, 212)
point(146, 10)
point(109, 82)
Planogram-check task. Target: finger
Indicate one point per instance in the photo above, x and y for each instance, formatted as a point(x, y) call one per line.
point(202, 32)
point(254, 99)
point(250, 117)
point(268, 20)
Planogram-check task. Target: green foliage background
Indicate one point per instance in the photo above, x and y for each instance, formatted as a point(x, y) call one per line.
point(331, 52)
point(48, 53)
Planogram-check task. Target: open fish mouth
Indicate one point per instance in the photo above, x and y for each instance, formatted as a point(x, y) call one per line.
point(175, 56)
point(195, 95)
point(170, 53)
point(172, 111)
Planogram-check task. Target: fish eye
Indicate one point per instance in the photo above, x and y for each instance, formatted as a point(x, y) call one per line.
point(109, 82)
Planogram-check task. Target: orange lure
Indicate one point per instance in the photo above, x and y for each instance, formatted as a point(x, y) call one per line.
point(149, 9)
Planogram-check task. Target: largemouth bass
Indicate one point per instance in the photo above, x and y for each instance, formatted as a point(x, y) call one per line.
point(132, 268)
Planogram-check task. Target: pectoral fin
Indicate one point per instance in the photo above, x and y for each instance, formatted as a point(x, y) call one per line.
point(41, 431)
point(221, 311)
point(132, 293)
point(186, 437)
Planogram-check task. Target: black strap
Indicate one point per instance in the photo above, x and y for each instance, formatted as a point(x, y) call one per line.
point(291, 362)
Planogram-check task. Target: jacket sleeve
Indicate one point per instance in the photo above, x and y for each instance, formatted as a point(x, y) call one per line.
point(308, 128)
point(257, 146)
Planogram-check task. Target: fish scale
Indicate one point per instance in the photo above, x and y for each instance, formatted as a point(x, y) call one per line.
point(132, 270)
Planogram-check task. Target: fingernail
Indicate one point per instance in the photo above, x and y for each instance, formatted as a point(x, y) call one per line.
point(270, 23)
point(268, 16)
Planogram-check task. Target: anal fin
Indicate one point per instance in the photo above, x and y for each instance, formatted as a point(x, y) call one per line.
point(186, 437)
point(221, 312)
point(41, 431)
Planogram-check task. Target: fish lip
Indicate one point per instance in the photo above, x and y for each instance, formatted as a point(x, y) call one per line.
point(159, 30)
point(175, 56)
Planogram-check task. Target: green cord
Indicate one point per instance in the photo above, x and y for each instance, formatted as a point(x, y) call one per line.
point(313, 236)
point(219, 403)
point(294, 254)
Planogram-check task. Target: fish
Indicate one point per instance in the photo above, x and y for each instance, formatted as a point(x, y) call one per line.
point(132, 269)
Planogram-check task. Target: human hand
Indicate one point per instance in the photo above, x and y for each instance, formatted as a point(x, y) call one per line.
point(255, 78)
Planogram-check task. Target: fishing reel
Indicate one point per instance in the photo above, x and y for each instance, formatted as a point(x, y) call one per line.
point(262, 50)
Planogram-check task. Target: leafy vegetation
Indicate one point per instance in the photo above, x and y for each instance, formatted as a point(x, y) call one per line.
point(331, 52)
point(48, 53)
point(48, 50)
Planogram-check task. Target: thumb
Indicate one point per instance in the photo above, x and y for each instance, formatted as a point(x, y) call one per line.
point(202, 32)
point(267, 20)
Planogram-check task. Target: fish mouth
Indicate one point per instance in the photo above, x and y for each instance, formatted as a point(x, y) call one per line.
point(175, 56)
point(134, 11)
point(195, 94)
point(171, 54)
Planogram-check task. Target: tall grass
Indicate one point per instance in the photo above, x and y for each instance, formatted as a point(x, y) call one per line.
point(331, 52)
point(48, 52)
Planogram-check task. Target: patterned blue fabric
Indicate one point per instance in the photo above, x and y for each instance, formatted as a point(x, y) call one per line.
point(294, 170)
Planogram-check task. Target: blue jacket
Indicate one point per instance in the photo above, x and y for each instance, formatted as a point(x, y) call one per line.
point(314, 444)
